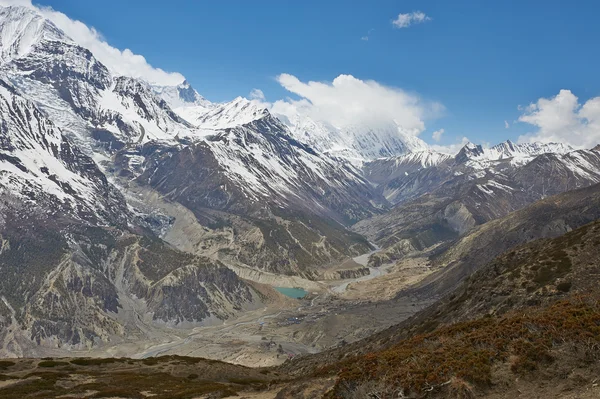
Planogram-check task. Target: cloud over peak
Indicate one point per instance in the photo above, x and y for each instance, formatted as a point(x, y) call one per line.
point(120, 62)
point(412, 18)
point(348, 101)
point(257, 94)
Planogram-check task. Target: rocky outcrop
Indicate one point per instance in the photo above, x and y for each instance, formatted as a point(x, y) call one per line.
point(347, 274)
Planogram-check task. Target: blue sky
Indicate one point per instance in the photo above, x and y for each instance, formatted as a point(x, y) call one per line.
point(480, 59)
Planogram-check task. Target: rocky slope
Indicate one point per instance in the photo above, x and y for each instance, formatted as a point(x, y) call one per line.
point(251, 181)
point(78, 267)
point(551, 217)
point(524, 324)
point(442, 202)
point(531, 240)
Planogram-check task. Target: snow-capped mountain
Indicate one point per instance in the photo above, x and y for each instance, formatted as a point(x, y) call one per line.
point(76, 90)
point(404, 178)
point(238, 112)
point(355, 143)
point(439, 203)
point(477, 156)
point(182, 95)
point(386, 169)
point(38, 165)
point(21, 30)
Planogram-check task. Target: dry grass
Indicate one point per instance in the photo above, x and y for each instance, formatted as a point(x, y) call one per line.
point(460, 357)
point(169, 377)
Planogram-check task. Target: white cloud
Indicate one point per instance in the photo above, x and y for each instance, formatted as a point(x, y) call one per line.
point(563, 119)
point(7, 3)
point(123, 62)
point(437, 135)
point(367, 36)
point(257, 94)
point(506, 125)
point(412, 18)
point(348, 101)
point(451, 149)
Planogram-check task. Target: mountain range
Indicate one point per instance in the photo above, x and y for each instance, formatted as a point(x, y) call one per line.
point(127, 206)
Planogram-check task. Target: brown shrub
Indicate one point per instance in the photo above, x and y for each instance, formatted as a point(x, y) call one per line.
point(465, 353)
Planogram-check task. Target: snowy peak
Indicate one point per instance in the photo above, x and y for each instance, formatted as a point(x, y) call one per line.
point(182, 95)
point(518, 154)
point(387, 169)
point(424, 159)
point(21, 29)
point(384, 140)
point(132, 112)
point(147, 104)
point(508, 149)
point(468, 152)
point(356, 143)
point(238, 112)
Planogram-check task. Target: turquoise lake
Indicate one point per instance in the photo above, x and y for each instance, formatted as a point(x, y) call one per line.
point(296, 293)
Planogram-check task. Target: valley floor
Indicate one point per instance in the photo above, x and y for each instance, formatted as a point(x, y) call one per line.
point(335, 312)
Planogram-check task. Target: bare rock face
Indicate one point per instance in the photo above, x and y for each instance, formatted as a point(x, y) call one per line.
point(97, 280)
point(459, 218)
point(353, 273)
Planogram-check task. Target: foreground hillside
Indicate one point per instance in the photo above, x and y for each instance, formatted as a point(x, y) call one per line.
point(161, 378)
point(484, 356)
